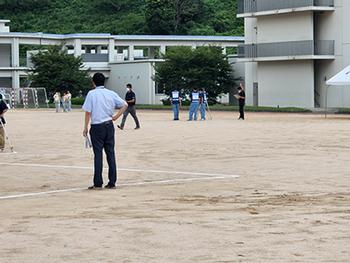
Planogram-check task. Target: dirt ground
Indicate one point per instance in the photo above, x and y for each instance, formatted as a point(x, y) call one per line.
point(179, 198)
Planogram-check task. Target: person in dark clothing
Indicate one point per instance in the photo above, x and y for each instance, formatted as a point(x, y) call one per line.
point(100, 106)
point(3, 109)
point(130, 98)
point(241, 101)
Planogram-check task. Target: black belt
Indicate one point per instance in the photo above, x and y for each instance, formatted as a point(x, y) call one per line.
point(103, 123)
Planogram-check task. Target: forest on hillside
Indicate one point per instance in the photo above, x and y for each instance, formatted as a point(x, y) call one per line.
point(166, 17)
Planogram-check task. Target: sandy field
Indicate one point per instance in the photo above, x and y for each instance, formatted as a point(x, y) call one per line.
point(273, 188)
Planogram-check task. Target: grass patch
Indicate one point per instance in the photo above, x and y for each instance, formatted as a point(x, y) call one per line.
point(222, 107)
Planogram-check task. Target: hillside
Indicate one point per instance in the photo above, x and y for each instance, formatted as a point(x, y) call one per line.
point(188, 17)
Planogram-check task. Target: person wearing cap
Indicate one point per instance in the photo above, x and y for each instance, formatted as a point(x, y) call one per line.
point(130, 98)
point(3, 110)
point(194, 105)
point(203, 103)
point(241, 101)
point(175, 99)
point(100, 106)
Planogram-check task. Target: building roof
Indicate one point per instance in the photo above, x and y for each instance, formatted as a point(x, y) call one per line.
point(123, 37)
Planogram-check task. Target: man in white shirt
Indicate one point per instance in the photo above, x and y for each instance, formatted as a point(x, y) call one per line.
point(100, 105)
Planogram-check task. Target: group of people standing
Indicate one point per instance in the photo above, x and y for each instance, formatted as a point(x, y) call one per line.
point(199, 102)
point(65, 101)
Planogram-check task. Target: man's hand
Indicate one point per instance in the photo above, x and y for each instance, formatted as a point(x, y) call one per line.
point(87, 121)
point(120, 112)
point(85, 132)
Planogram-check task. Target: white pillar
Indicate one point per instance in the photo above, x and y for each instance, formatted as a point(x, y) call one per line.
point(98, 49)
point(131, 53)
point(162, 51)
point(77, 47)
point(224, 50)
point(15, 80)
point(111, 50)
point(151, 53)
point(15, 52)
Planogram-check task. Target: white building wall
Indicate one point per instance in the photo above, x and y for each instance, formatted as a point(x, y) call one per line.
point(334, 26)
point(286, 84)
point(139, 74)
point(251, 69)
point(285, 27)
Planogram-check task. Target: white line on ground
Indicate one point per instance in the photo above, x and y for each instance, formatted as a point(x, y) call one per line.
point(120, 169)
point(160, 182)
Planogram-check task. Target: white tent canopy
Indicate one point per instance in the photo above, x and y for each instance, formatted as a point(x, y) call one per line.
point(341, 79)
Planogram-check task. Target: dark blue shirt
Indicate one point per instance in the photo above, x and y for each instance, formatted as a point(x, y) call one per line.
point(130, 95)
point(203, 96)
point(175, 97)
point(194, 96)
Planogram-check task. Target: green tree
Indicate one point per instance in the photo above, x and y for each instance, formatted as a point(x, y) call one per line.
point(13, 5)
point(166, 17)
point(56, 70)
point(186, 68)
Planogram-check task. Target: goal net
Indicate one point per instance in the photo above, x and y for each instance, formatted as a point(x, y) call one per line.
point(25, 97)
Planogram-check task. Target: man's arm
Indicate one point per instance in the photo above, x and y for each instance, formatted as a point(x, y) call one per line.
point(86, 125)
point(120, 112)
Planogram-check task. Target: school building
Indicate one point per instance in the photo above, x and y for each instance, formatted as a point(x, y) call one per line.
point(291, 48)
point(122, 58)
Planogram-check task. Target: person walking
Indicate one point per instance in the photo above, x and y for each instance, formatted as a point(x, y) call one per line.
point(241, 101)
point(57, 101)
point(3, 109)
point(99, 106)
point(194, 105)
point(176, 103)
point(130, 98)
point(203, 104)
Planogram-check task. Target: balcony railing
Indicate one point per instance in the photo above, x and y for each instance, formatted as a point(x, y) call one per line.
point(94, 57)
point(252, 6)
point(287, 49)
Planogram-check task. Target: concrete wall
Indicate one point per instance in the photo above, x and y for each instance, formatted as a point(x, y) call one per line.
point(286, 84)
point(251, 69)
point(5, 55)
point(285, 27)
point(139, 74)
point(334, 26)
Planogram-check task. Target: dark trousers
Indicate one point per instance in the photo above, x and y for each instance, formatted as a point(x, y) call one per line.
point(241, 111)
point(132, 110)
point(102, 138)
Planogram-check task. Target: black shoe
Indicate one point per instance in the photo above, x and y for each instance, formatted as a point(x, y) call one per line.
point(120, 127)
point(95, 188)
point(137, 127)
point(109, 186)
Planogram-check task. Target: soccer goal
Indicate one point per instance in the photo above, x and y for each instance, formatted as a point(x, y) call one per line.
point(26, 97)
point(34, 98)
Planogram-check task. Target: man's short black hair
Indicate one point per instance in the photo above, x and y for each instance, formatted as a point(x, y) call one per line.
point(99, 79)
point(129, 85)
point(239, 88)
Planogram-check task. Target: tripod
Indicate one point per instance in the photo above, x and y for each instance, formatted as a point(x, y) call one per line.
point(210, 116)
point(6, 135)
